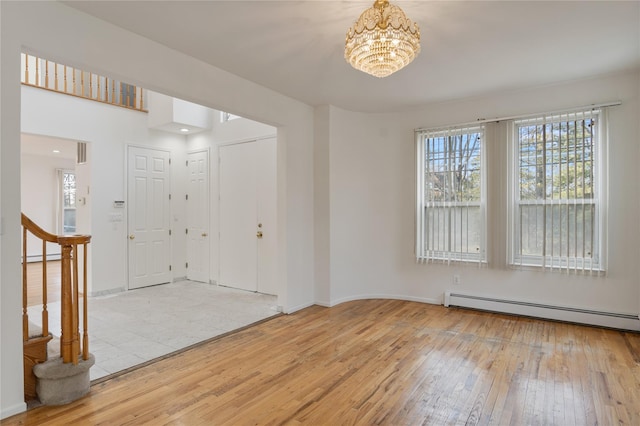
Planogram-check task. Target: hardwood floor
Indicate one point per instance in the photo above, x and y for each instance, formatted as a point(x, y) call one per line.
point(34, 282)
point(378, 362)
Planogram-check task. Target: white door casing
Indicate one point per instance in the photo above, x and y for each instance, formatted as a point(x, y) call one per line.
point(198, 239)
point(247, 208)
point(149, 242)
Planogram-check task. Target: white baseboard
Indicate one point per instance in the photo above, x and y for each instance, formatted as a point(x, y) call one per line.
point(106, 292)
point(297, 308)
point(13, 410)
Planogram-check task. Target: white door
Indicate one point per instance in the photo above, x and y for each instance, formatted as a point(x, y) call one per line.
point(148, 203)
point(198, 217)
point(248, 243)
point(267, 219)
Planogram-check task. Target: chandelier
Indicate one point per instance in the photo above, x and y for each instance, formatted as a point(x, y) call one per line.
point(382, 41)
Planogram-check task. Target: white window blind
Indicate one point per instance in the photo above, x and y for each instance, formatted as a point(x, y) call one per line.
point(557, 189)
point(450, 207)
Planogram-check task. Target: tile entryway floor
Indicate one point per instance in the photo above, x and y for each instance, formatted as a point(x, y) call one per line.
point(129, 328)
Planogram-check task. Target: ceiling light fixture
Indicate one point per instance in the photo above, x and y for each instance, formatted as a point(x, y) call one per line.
point(382, 41)
point(184, 130)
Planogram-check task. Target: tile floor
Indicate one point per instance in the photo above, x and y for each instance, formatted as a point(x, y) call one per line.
point(132, 327)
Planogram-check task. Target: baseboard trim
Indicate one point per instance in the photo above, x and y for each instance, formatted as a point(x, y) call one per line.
point(13, 410)
point(298, 308)
point(106, 292)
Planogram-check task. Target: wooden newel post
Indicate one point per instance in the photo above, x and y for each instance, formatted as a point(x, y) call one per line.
point(73, 345)
point(68, 334)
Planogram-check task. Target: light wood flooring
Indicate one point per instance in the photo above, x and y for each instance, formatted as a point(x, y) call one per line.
point(34, 282)
point(378, 362)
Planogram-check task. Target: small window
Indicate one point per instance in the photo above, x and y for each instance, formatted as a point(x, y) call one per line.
point(68, 202)
point(450, 197)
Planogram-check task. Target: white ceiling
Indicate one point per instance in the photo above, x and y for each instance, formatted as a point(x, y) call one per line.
point(469, 48)
point(46, 145)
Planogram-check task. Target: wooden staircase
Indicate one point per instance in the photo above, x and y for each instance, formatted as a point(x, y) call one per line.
point(36, 338)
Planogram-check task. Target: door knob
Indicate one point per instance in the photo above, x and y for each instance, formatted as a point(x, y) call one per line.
point(131, 237)
point(259, 234)
point(204, 234)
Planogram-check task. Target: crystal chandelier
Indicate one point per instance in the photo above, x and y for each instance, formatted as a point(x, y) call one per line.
point(382, 41)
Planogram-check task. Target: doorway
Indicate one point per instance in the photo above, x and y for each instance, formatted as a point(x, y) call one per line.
point(53, 189)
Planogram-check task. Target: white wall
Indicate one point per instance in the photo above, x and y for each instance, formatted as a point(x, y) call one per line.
point(109, 129)
point(96, 46)
point(322, 203)
point(371, 196)
point(171, 114)
point(238, 129)
point(192, 114)
point(11, 380)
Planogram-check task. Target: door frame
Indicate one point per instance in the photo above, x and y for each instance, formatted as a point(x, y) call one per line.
point(126, 209)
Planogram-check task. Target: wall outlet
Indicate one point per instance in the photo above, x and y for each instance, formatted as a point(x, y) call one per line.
point(456, 279)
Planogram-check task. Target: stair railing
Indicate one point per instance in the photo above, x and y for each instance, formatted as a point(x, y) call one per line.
point(61, 78)
point(70, 344)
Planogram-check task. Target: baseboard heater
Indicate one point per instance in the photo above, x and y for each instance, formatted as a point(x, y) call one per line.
point(539, 310)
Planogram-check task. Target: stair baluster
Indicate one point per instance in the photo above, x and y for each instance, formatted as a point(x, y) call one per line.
point(71, 346)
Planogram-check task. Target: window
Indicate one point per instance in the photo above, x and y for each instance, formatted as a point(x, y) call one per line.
point(68, 202)
point(450, 208)
point(557, 183)
point(546, 190)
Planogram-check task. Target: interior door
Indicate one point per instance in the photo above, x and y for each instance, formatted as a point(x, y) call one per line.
point(238, 240)
point(266, 183)
point(198, 240)
point(248, 244)
point(149, 250)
